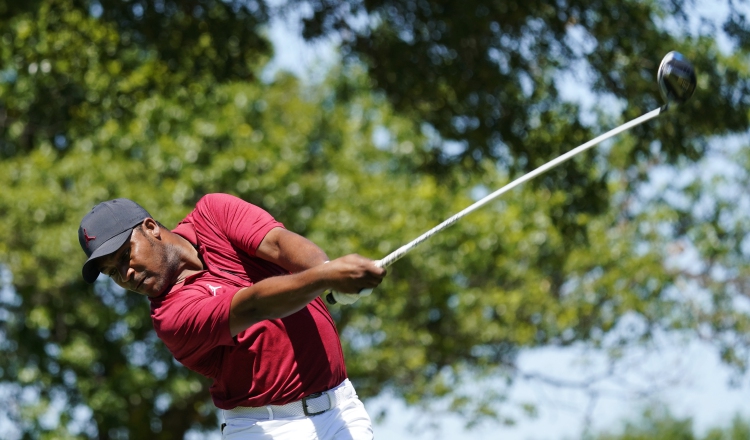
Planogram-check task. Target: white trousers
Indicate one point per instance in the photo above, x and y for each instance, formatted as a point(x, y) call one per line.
point(347, 421)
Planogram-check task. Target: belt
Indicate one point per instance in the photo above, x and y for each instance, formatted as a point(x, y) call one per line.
point(311, 405)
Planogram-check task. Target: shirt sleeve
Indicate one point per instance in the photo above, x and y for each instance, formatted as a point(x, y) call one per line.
point(192, 324)
point(244, 224)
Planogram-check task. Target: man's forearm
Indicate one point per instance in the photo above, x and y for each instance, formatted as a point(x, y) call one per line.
point(274, 297)
point(277, 297)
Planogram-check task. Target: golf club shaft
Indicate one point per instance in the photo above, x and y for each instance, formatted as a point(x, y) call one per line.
point(403, 250)
point(677, 82)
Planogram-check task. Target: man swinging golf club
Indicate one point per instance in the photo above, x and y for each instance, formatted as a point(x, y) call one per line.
point(236, 297)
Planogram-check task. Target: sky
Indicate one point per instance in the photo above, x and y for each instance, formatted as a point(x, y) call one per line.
point(687, 377)
point(684, 375)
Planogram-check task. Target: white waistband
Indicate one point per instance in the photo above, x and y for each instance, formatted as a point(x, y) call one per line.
point(311, 405)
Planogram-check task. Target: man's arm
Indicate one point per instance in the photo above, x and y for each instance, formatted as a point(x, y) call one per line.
point(280, 296)
point(291, 251)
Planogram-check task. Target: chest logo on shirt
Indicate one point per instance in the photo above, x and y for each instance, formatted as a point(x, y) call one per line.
point(213, 288)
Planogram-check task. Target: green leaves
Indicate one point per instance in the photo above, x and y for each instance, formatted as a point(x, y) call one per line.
point(159, 104)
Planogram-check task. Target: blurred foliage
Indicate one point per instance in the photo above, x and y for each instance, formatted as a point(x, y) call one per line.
point(659, 424)
point(490, 75)
point(488, 72)
point(160, 102)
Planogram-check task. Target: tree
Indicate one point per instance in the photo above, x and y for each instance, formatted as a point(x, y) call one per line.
point(489, 76)
point(657, 423)
point(127, 99)
point(74, 91)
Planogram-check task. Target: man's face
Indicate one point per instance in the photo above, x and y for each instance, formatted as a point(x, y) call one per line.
point(143, 264)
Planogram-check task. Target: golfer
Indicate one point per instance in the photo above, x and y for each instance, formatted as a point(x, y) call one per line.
point(236, 297)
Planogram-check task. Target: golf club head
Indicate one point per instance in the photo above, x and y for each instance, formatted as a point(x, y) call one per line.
point(676, 78)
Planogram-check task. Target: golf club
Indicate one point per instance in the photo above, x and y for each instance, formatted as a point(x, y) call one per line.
point(677, 81)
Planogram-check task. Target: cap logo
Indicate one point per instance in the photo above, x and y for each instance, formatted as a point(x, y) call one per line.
point(88, 239)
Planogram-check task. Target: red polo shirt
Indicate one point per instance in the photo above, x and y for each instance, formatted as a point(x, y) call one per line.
point(271, 363)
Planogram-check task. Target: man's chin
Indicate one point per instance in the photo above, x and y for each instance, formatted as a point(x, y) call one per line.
point(154, 291)
point(157, 292)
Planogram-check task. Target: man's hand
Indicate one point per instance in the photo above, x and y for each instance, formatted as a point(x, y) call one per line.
point(353, 273)
point(280, 296)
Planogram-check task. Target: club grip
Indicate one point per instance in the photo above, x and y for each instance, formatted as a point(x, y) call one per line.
point(334, 297)
point(330, 299)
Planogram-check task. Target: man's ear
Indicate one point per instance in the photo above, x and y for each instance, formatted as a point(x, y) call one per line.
point(150, 226)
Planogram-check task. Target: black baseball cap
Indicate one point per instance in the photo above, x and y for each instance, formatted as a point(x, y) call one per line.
point(105, 229)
